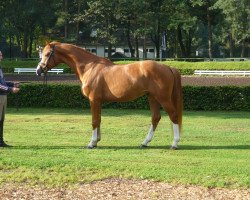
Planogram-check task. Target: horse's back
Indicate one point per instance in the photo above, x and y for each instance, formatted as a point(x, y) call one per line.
point(143, 68)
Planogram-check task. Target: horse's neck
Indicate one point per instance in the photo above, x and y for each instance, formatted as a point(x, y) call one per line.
point(79, 59)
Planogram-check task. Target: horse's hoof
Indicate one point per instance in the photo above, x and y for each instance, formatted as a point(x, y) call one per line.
point(91, 147)
point(143, 146)
point(173, 148)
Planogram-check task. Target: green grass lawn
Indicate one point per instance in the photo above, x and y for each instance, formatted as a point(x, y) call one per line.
point(49, 148)
point(238, 65)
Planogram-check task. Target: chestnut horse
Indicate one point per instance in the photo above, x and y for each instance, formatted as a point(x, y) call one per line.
point(102, 81)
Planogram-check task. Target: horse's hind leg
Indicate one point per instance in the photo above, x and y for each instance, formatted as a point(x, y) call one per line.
point(156, 116)
point(96, 121)
point(170, 109)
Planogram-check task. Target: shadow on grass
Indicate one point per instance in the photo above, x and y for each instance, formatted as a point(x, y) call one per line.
point(233, 147)
point(181, 148)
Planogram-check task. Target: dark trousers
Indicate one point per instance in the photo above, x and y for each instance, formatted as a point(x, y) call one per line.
point(3, 103)
point(1, 132)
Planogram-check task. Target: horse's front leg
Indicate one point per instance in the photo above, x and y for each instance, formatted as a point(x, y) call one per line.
point(96, 121)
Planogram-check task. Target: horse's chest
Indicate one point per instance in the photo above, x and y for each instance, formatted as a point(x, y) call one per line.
point(85, 90)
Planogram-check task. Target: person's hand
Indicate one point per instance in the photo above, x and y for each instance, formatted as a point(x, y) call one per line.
point(15, 90)
point(16, 84)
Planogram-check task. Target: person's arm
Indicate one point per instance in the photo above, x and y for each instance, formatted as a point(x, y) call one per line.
point(5, 88)
point(10, 84)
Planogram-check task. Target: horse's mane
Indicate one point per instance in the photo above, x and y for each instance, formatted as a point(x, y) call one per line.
point(80, 49)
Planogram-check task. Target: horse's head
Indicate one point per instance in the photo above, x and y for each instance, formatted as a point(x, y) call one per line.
point(47, 61)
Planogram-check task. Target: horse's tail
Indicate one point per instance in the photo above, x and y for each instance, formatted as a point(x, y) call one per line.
point(177, 95)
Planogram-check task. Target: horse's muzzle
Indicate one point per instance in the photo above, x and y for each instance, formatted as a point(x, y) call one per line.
point(38, 71)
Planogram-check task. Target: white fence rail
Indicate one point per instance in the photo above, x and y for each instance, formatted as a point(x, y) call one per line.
point(222, 72)
point(33, 70)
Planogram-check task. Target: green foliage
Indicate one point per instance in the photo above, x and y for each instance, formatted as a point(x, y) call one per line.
point(237, 14)
point(9, 65)
point(217, 98)
point(24, 19)
point(69, 96)
point(41, 95)
point(103, 17)
point(125, 22)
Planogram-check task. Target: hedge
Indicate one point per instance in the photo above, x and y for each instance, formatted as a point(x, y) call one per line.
point(69, 96)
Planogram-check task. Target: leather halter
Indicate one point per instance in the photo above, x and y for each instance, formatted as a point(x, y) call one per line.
point(44, 66)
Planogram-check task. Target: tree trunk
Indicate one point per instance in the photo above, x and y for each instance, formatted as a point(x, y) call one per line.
point(18, 37)
point(137, 48)
point(129, 41)
point(156, 41)
point(180, 41)
point(144, 42)
point(231, 47)
point(30, 45)
point(189, 43)
point(157, 46)
point(25, 45)
point(77, 23)
point(243, 47)
point(144, 48)
point(10, 46)
point(109, 50)
point(175, 44)
point(66, 21)
point(210, 39)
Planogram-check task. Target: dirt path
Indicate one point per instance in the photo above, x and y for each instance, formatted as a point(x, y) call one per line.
point(214, 80)
point(123, 189)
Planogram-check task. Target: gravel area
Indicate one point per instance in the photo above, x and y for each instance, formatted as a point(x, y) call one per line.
point(123, 189)
point(186, 80)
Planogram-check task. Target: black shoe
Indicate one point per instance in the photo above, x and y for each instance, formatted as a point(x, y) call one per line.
point(3, 144)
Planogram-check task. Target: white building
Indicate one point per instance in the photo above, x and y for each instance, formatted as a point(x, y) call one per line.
point(102, 51)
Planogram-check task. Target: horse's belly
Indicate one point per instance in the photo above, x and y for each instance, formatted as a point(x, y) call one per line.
point(124, 94)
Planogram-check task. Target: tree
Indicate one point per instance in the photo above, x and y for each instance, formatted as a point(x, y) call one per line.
point(133, 17)
point(183, 23)
point(207, 14)
point(237, 16)
point(103, 17)
point(187, 23)
point(23, 18)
